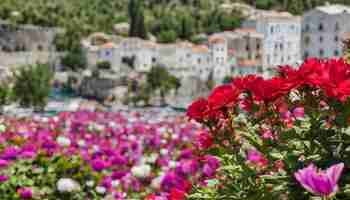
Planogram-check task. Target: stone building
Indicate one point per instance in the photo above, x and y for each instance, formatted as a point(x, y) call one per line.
point(26, 38)
point(323, 29)
point(282, 33)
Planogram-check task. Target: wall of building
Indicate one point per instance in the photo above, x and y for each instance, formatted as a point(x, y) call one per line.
point(24, 58)
point(322, 33)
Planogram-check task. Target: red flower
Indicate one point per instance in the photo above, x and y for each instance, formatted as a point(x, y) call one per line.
point(176, 194)
point(269, 90)
point(151, 197)
point(336, 81)
point(223, 96)
point(244, 83)
point(205, 140)
point(198, 109)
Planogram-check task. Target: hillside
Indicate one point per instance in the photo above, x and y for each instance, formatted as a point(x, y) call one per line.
point(167, 20)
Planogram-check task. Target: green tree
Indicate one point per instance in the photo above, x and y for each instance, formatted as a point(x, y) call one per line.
point(75, 59)
point(160, 79)
point(32, 85)
point(167, 36)
point(137, 19)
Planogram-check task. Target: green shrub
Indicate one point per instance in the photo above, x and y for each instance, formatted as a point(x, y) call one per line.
point(32, 85)
point(104, 65)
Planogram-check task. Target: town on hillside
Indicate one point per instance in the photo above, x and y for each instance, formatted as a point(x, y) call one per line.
point(265, 40)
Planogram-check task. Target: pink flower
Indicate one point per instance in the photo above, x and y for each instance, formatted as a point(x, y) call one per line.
point(3, 163)
point(320, 182)
point(256, 158)
point(267, 134)
point(3, 178)
point(298, 113)
point(25, 193)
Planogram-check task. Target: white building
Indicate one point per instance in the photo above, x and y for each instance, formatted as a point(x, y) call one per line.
point(183, 59)
point(323, 29)
point(282, 33)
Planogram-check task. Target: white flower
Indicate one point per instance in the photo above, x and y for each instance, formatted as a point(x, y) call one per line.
point(152, 158)
point(141, 171)
point(115, 183)
point(44, 119)
point(101, 189)
point(132, 137)
point(156, 182)
point(163, 141)
point(174, 136)
point(67, 185)
point(172, 164)
point(90, 183)
point(81, 143)
point(55, 119)
point(63, 141)
point(164, 152)
point(112, 124)
point(2, 128)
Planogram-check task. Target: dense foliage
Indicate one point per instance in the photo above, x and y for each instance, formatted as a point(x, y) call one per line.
point(159, 17)
point(32, 85)
point(101, 155)
point(272, 135)
point(160, 79)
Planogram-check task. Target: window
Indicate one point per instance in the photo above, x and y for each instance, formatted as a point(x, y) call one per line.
point(306, 54)
point(307, 28)
point(321, 53)
point(281, 46)
point(321, 39)
point(258, 46)
point(337, 26)
point(247, 48)
point(336, 38)
point(268, 59)
point(40, 47)
point(271, 29)
point(320, 27)
point(199, 61)
point(336, 53)
point(154, 59)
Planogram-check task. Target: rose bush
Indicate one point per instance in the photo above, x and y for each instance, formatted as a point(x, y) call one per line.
point(101, 155)
point(287, 137)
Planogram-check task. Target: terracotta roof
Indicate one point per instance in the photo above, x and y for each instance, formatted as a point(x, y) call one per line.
point(185, 44)
point(250, 31)
point(200, 49)
point(108, 45)
point(216, 39)
point(248, 63)
point(150, 44)
point(345, 36)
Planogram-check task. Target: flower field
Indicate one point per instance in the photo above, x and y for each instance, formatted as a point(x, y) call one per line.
point(102, 155)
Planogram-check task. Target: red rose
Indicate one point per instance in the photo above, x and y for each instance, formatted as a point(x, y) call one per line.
point(198, 109)
point(223, 96)
point(176, 194)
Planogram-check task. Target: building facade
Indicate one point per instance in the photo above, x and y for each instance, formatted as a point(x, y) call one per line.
point(282, 35)
point(183, 59)
point(323, 29)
